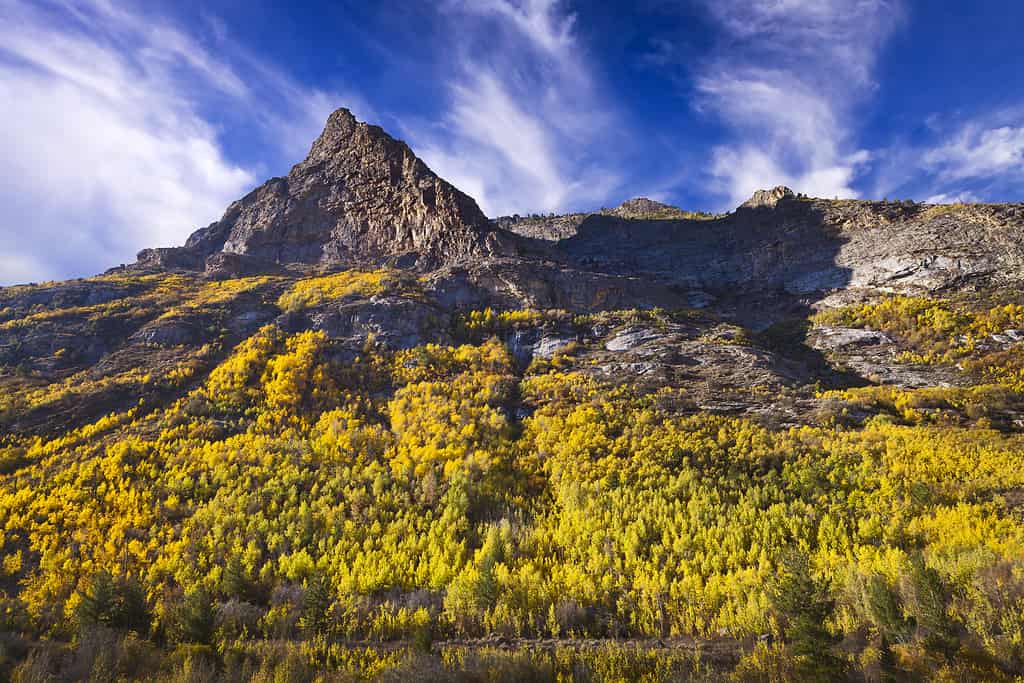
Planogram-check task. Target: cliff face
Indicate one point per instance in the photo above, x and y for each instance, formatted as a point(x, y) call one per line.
point(362, 198)
point(802, 246)
point(359, 197)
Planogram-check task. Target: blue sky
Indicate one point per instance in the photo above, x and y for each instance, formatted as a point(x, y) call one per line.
point(128, 124)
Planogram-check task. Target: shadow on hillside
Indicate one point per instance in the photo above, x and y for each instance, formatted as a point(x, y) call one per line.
point(764, 268)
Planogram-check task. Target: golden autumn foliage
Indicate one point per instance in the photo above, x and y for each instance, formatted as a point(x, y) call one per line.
point(943, 332)
point(434, 491)
point(314, 291)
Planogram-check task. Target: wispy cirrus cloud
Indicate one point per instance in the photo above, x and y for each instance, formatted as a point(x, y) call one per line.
point(785, 79)
point(523, 113)
point(979, 149)
point(114, 122)
point(108, 143)
point(972, 159)
point(947, 198)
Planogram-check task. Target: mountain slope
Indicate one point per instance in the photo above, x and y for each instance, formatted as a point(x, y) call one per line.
point(354, 417)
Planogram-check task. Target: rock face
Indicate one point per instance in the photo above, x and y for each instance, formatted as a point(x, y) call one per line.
point(360, 196)
point(644, 208)
point(801, 246)
point(768, 199)
point(552, 228)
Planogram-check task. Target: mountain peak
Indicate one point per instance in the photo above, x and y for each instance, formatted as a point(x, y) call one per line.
point(340, 116)
point(642, 207)
point(343, 130)
point(768, 199)
point(340, 127)
point(359, 197)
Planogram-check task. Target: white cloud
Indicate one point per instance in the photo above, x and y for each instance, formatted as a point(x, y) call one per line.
point(978, 151)
point(962, 160)
point(523, 114)
point(92, 179)
point(958, 198)
point(106, 146)
point(538, 20)
point(846, 34)
point(785, 79)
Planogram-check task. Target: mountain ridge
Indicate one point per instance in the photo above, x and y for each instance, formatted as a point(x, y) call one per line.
point(779, 258)
point(363, 198)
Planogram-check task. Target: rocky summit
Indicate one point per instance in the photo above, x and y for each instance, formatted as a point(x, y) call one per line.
point(363, 199)
point(359, 197)
point(784, 442)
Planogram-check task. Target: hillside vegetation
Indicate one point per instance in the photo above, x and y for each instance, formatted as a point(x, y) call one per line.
point(279, 507)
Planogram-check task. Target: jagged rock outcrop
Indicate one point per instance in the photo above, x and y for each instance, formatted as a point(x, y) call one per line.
point(549, 228)
point(768, 199)
point(644, 208)
point(360, 196)
point(363, 198)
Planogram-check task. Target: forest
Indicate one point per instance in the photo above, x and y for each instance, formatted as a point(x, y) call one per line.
point(293, 513)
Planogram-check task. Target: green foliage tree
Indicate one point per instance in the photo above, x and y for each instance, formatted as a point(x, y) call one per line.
point(886, 620)
point(96, 605)
point(116, 603)
point(317, 599)
point(928, 603)
point(237, 583)
point(885, 609)
point(196, 618)
point(131, 608)
point(805, 606)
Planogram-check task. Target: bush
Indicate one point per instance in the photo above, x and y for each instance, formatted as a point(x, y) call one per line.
point(39, 667)
point(194, 664)
point(238, 619)
point(765, 664)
